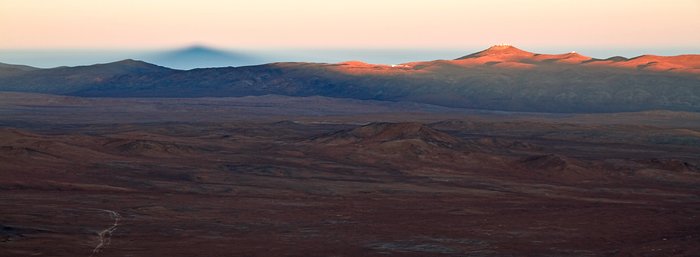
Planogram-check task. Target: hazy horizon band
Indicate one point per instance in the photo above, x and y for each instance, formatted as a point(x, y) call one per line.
point(158, 24)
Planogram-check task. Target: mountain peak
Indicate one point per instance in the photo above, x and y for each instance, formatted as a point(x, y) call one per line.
point(124, 66)
point(131, 62)
point(499, 50)
point(500, 47)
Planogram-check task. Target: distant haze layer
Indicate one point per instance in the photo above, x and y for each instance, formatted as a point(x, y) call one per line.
point(39, 24)
point(203, 57)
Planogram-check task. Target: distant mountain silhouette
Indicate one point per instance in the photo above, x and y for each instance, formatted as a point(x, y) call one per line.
point(499, 78)
point(12, 69)
point(200, 57)
point(128, 66)
point(64, 80)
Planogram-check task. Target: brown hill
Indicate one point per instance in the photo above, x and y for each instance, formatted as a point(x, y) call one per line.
point(383, 132)
point(546, 162)
point(18, 147)
point(558, 167)
point(392, 143)
point(671, 165)
point(149, 147)
point(689, 63)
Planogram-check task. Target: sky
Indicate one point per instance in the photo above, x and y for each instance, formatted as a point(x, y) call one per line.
point(656, 26)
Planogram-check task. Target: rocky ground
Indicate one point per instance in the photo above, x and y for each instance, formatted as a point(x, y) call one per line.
point(449, 188)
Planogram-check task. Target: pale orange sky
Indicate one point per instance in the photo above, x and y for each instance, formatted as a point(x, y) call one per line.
point(339, 23)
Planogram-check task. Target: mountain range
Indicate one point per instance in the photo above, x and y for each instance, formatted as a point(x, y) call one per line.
point(502, 77)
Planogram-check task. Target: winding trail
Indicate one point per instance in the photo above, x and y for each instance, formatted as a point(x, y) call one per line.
point(105, 236)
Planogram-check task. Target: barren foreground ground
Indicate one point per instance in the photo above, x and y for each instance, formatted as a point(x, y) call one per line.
point(422, 185)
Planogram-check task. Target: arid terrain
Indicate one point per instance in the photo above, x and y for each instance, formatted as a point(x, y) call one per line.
point(309, 128)
point(315, 176)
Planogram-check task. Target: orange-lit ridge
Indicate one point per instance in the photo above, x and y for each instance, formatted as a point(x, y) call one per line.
point(508, 56)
